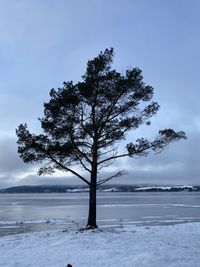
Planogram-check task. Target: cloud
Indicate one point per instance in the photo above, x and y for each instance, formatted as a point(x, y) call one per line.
point(14, 172)
point(11, 166)
point(43, 43)
point(10, 163)
point(178, 164)
point(50, 180)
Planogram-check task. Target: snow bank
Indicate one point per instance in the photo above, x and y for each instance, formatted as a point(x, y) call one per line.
point(130, 246)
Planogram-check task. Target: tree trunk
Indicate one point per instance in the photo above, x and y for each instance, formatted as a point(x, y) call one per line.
point(92, 206)
point(92, 221)
point(93, 187)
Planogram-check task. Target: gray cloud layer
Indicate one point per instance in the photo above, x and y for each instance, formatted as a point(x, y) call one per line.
point(178, 164)
point(43, 43)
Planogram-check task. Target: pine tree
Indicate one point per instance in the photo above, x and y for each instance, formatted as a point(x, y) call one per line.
point(83, 123)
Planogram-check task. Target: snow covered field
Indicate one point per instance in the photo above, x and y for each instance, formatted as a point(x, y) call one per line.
point(156, 246)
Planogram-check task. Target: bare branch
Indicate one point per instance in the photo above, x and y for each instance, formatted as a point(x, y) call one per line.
point(110, 110)
point(82, 163)
point(109, 143)
point(68, 169)
point(87, 144)
point(109, 151)
point(113, 157)
point(118, 174)
point(82, 123)
point(107, 164)
point(80, 151)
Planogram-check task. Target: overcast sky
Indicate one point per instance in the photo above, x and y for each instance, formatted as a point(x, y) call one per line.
point(43, 43)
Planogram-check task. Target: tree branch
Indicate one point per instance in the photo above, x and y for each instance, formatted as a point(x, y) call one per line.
point(118, 174)
point(109, 113)
point(108, 151)
point(82, 123)
point(113, 157)
point(81, 152)
point(83, 164)
point(68, 169)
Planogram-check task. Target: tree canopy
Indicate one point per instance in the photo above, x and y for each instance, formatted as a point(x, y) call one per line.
point(84, 122)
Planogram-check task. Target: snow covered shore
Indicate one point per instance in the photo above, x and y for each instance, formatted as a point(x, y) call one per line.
point(156, 246)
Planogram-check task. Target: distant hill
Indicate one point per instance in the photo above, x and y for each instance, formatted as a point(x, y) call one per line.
point(105, 188)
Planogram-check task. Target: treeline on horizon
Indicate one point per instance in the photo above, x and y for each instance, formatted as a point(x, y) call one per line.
point(103, 188)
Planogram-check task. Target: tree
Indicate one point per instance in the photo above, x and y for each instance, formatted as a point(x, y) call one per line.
point(84, 122)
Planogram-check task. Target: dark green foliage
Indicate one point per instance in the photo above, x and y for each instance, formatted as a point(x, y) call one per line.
point(101, 108)
point(83, 122)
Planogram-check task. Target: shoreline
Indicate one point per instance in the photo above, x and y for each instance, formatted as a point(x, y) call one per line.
point(23, 227)
point(172, 245)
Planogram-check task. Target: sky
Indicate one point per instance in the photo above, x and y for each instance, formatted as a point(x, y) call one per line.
point(43, 43)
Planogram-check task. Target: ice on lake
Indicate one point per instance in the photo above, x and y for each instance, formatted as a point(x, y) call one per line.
point(33, 212)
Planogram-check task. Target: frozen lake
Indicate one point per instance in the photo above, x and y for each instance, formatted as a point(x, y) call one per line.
point(28, 212)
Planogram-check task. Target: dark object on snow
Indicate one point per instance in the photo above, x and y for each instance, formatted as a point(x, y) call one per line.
point(69, 265)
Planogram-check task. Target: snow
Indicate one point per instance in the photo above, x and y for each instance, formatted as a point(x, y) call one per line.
point(113, 189)
point(77, 190)
point(146, 188)
point(128, 246)
point(153, 187)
